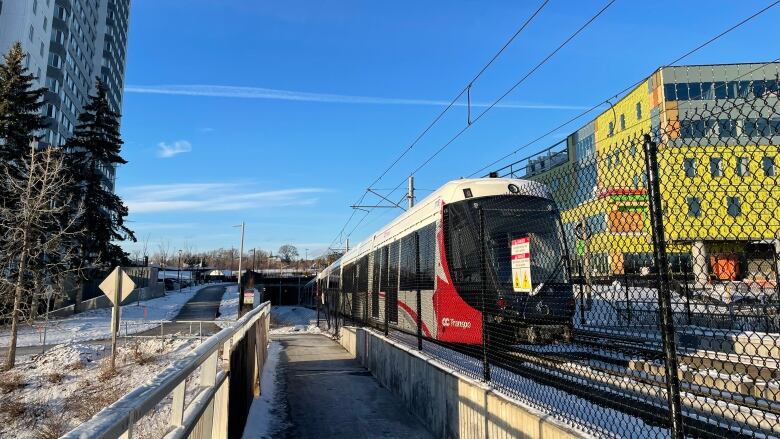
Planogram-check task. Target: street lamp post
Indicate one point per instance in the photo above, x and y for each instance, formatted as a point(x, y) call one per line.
point(180, 271)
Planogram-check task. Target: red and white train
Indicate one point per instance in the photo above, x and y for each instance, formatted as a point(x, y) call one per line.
point(475, 256)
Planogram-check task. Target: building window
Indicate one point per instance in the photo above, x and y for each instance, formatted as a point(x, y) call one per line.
point(617, 157)
point(633, 150)
point(41, 50)
point(638, 111)
point(743, 166)
point(636, 182)
point(716, 167)
point(734, 206)
point(694, 207)
point(689, 165)
point(611, 129)
point(622, 122)
point(35, 6)
point(32, 33)
point(727, 128)
point(45, 23)
point(768, 164)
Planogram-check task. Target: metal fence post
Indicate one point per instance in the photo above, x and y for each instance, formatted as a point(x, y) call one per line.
point(483, 292)
point(419, 291)
point(664, 291)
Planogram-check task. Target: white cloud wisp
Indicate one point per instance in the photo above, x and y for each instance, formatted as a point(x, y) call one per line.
point(167, 151)
point(224, 91)
point(212, 197)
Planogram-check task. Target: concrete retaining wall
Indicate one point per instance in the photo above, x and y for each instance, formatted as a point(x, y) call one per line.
point(450, 404)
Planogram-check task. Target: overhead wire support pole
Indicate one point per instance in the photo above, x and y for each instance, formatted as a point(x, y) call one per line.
point(664, 289)
point(385, 198)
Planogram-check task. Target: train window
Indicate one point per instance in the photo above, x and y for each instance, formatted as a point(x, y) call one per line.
point(427, 256)
point(376, 268)
point(362, 280)
point(392, 281)
point(408, 263)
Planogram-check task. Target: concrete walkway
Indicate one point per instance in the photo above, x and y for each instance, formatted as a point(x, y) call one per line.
point(327, 394)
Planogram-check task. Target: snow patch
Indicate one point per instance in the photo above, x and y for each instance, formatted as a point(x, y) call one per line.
point(95, 324)
point(267, 412)
point(293, 319)
point(228, 308)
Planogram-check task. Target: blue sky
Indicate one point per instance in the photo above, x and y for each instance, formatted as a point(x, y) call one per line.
point(281, 113)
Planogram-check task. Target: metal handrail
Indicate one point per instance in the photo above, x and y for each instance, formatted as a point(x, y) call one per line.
point(117, 420)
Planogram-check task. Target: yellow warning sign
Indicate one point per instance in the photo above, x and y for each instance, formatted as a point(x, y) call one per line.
point(517, 280)
point(526, 282)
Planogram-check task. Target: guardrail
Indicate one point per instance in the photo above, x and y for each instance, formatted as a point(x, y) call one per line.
point(236, 353)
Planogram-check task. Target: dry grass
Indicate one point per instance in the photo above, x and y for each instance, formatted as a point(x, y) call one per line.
point(139, 356)
point(76, 365)
point(55, 377)
point(13, 408)
point(53, 427)
point(107, 371)
point(11, 381)
point(85, 405)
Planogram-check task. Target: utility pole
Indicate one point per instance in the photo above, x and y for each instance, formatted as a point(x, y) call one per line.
point(180, 271)
point(240, 260)
point(410, 192)
point(254, 252)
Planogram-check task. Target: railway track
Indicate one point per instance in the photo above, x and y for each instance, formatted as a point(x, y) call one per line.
point(623, 385)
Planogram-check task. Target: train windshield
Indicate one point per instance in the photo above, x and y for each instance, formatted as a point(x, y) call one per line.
point(531, 222)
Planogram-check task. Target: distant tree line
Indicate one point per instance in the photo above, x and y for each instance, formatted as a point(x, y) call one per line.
point(286, 257)
point(59, 217)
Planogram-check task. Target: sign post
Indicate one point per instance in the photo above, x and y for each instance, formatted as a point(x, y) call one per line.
point(117, 286)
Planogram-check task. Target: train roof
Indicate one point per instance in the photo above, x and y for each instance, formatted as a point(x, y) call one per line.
point(425, 211)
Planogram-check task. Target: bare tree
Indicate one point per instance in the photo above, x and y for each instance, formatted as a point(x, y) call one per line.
point(38, 235)
point(288, 252)
point(163, 252)
point(145, 248)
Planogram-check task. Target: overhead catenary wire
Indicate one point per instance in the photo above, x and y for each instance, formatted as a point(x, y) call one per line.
point(441, 114)
point(630, 87)
point(511, 89)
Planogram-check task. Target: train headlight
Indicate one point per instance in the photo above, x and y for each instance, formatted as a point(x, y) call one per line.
point(513, 188)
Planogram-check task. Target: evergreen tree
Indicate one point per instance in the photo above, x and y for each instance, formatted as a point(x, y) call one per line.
point(20, 113)
point(93, 149)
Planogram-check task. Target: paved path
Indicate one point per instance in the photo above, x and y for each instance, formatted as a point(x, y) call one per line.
point(203, 307)
point(330, 395)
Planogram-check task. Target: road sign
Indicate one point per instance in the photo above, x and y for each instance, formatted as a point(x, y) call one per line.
point(117, 286)
point(110, 284)
point(521, 265)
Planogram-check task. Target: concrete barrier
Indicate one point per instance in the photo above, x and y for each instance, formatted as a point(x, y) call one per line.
point(450, 404)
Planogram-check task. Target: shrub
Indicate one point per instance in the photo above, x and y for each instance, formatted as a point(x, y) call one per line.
point(11, 381)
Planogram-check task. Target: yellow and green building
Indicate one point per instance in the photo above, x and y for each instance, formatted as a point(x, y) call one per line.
point(718, 131)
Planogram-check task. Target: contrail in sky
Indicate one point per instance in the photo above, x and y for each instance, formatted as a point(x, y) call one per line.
point(223, 91)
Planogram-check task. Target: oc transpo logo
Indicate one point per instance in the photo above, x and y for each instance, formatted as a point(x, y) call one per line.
point(447, 322)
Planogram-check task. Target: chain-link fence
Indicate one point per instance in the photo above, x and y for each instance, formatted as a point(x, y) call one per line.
point(627, 284)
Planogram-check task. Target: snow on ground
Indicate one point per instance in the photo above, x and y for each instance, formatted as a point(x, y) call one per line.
point(65, 386)
point(293, 319)
point(228, 308)
point(95, 324)
point(266, 415)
